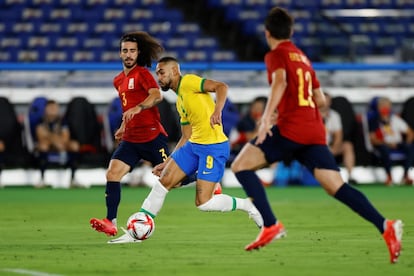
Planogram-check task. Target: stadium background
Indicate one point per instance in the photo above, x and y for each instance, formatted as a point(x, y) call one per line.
point(69, 48)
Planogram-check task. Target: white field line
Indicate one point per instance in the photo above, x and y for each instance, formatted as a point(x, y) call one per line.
point(29, 272)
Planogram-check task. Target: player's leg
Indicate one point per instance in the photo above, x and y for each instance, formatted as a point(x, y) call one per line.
point(207, 201)
point(211, 165)
point(171, 175)
point(250, 159)
point(319, 160)
point(123, 159)
point(182, 163)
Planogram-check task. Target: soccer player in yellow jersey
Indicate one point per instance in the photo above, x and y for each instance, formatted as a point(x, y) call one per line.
point(203, 147)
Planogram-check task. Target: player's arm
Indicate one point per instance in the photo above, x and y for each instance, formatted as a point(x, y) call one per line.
point(277, 89)
point(154, 97)
point(220, 88)
point(319, 97)
point(119, 132)
point(186, 131)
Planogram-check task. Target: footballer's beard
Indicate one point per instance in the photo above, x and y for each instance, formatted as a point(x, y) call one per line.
point(165, 87)
point(129, 63)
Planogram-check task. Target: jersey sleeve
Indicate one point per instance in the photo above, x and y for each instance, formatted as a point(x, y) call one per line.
point(147, 81)
point(273, 62)
point(193, 83)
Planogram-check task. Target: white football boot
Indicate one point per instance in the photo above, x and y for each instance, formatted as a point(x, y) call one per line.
point(125, 238)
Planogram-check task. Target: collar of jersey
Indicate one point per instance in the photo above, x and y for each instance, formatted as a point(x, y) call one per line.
point(179, 84)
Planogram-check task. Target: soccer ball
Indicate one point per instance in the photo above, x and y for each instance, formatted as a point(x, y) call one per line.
point(140, 226)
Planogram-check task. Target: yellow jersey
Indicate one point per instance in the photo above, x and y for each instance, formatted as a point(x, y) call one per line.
point(195, 107)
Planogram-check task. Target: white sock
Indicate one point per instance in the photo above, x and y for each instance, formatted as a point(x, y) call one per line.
point(155, 199)
point(224, 203)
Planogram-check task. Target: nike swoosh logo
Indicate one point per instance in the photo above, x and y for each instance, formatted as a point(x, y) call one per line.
point(204, 172)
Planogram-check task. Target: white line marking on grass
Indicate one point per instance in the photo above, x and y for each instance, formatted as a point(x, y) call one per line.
point(29, 272)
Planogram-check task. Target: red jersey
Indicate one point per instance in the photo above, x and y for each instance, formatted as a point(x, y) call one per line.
point(132, 90)
point(298, 116)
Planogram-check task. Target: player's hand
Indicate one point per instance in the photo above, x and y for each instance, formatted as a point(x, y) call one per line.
point(215, 119)
point(264, 130)
point(118, 134)
point(157, 170)
point(127, 116)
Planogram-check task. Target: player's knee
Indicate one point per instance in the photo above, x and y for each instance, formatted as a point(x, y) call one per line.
point(235, 167)
point(113, 175)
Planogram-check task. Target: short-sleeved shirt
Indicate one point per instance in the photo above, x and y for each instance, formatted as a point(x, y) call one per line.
point(132, 90)
point(298, 116)
point(391, 132)
point(195, 107)
point(333, 123)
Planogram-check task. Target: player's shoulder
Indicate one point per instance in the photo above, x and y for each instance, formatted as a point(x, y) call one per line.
point(119, 76)
point(190, 79)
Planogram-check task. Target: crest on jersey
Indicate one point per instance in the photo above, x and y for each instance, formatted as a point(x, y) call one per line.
point(131, 83)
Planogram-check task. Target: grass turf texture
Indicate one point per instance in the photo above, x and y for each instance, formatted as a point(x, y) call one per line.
point(48, 231)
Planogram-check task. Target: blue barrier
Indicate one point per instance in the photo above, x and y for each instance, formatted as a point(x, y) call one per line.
point(235, 66)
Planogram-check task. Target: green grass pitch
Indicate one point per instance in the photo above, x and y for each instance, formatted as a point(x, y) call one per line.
point(47, 231)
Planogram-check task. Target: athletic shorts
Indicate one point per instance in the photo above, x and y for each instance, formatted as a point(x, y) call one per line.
point(209, 161)
point(313, 156)
point(155, 151)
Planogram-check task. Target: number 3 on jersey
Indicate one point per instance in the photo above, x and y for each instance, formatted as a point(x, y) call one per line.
point(305, 79)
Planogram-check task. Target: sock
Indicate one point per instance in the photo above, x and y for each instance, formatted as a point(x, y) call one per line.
point(221, 203)
point(255, 190)
point(112, 198)
point(42, 163)
point(358, 202)
point(73, 163)
point(155, 199)
point(226, 203)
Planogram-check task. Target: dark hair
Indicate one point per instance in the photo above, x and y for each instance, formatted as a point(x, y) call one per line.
point(51, 102)
point(168, 59)
point(260, 99)
point(149, 48)
point(279, 23)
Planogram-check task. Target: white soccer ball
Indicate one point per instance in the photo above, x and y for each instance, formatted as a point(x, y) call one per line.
point(140, 226)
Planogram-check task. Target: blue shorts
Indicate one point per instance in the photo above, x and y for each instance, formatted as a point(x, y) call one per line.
point(209, 161)
point(155, 151)
point(279, 148)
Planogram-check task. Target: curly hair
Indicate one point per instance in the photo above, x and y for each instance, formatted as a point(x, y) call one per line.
point(149, 48)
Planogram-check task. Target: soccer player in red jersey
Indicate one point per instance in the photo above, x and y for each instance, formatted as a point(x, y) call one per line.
point(299, 133)
point(141, 133)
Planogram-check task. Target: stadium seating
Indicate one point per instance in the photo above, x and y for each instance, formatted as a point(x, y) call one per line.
point(326, 26)
point(88, 31)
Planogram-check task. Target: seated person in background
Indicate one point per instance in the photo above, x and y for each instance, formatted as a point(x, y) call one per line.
point(248, 124)
point(389, 133)
point(2, 149)
point(339, 147)
point(54, 136)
